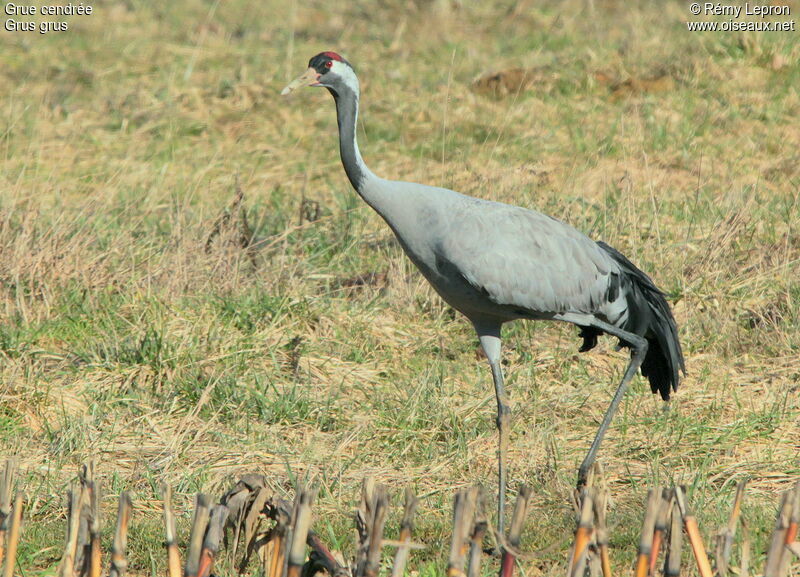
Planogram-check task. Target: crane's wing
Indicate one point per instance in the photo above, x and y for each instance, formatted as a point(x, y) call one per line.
point(525, 259)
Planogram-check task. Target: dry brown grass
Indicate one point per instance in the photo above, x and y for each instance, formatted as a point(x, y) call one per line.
point(122, 337)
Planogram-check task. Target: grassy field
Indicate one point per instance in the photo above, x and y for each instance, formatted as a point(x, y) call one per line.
point(140, 328)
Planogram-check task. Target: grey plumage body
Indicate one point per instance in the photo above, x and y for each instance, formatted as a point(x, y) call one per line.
point(496, 262)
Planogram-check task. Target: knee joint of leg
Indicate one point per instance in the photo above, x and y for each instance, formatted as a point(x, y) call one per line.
point(503, 415)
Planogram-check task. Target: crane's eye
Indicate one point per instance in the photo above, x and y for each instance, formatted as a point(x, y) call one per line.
point(329, 63)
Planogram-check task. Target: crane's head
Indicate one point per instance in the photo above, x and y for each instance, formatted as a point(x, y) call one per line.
point(329, 70)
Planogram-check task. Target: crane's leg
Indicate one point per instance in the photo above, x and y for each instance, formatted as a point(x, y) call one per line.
point(491, 346)
point(638, 352)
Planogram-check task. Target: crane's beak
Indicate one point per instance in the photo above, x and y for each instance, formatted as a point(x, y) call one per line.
point(309, 78)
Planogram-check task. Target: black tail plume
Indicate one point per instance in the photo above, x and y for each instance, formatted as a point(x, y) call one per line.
point(651, 317)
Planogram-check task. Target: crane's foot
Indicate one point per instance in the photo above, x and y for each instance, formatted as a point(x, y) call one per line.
point(495, 551)
point(583, 476)
point(585, 479)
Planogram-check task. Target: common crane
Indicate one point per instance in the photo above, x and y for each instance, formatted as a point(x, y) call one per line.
point(496, 262)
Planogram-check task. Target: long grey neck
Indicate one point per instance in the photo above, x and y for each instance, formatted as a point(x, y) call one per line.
point(390, 202)
point(347, 113)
